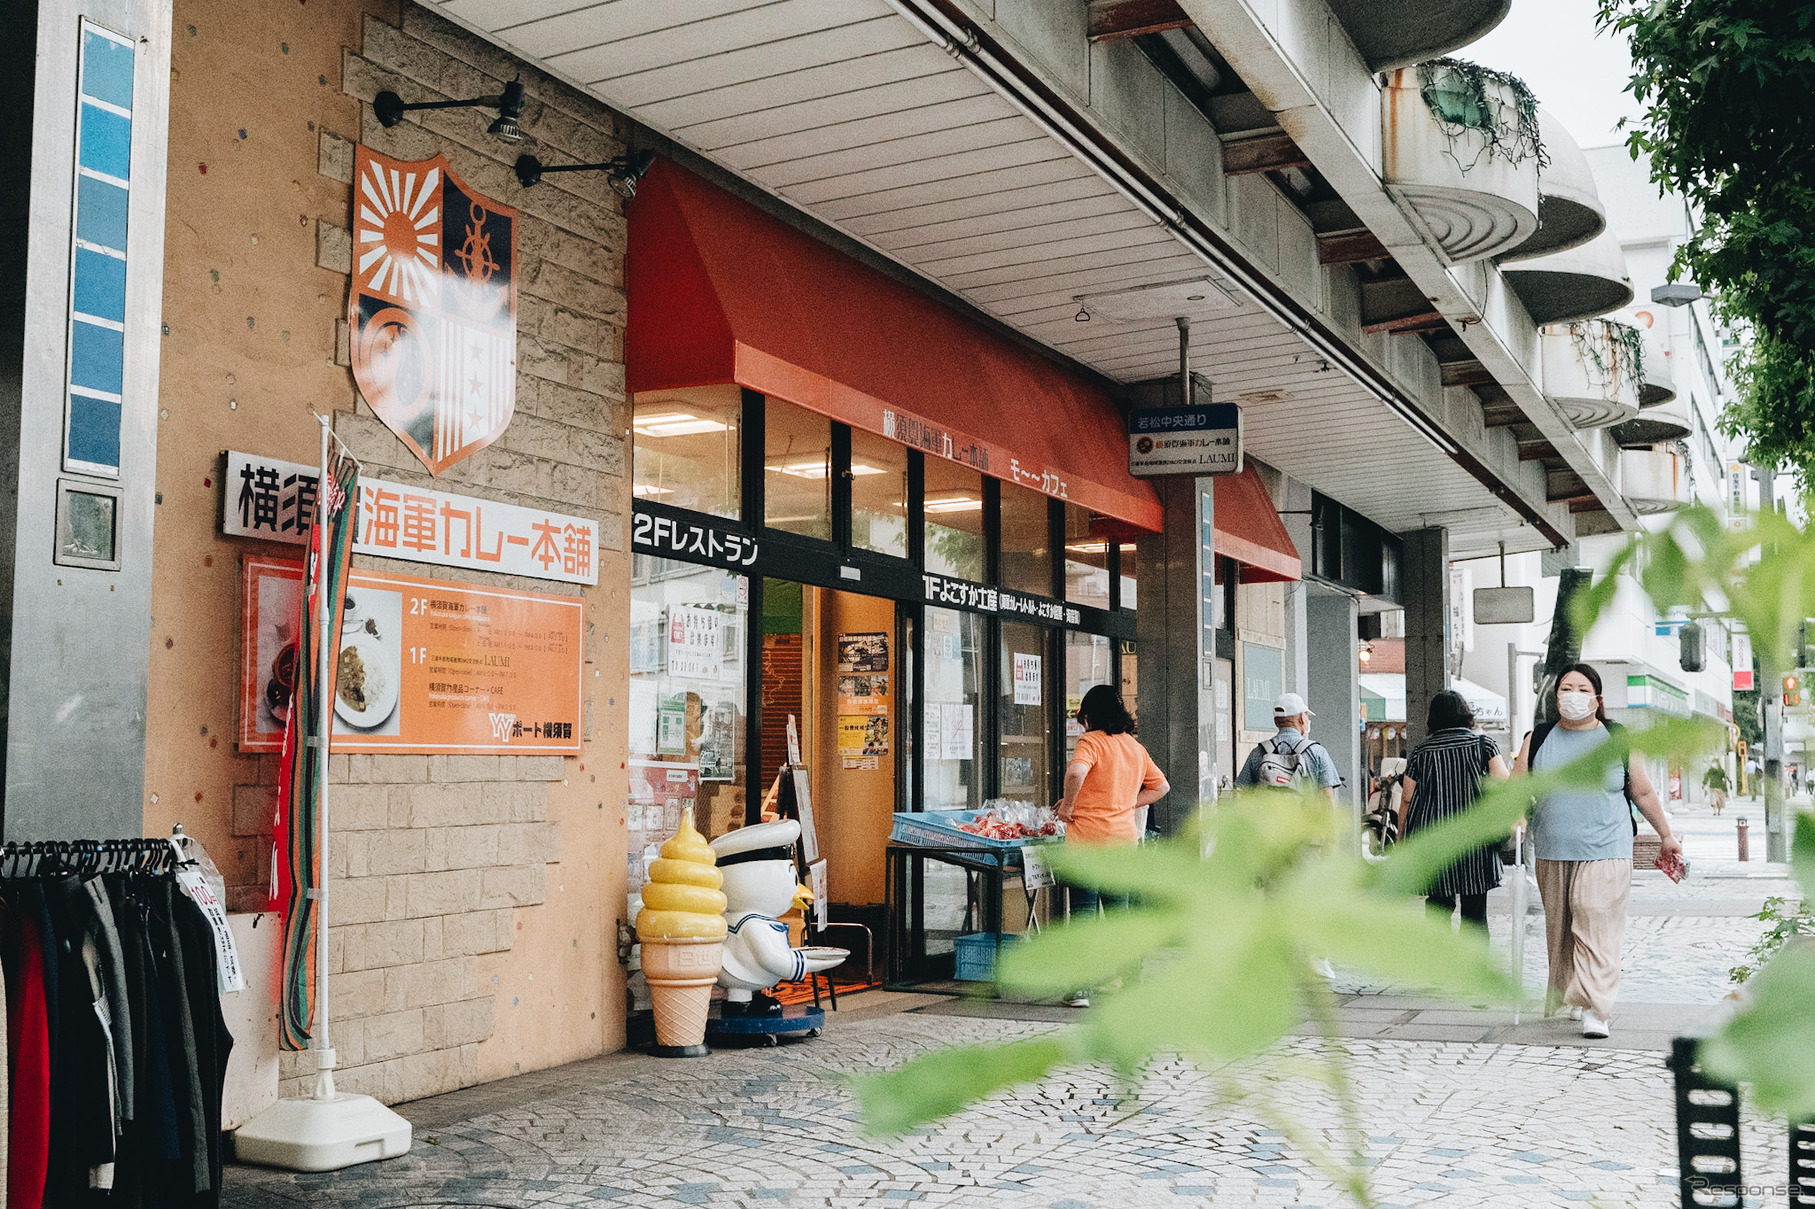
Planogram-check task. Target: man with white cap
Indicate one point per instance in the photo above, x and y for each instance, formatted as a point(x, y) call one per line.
point(1290, 757)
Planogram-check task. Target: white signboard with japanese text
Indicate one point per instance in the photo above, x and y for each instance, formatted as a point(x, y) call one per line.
point(1202, 439)
point(1027, 679)
point(275, 500)
point(695, 643)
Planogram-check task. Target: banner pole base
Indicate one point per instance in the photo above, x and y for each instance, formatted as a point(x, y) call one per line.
point(324, 1131)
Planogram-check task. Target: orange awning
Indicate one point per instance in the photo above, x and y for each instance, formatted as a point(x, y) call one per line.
point(1248, 530)
point(720, 292)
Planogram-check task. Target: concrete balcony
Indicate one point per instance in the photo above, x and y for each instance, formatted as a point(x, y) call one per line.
point(1569, 207)
point(1655, 480)
point(1574, 284)
point(1590, 371)
point(1472, 190)
point(1667, 421)
point(1395, 33)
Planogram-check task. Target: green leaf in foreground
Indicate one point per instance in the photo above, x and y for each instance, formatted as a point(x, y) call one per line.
point(941, 1083)
point(1771, 1043)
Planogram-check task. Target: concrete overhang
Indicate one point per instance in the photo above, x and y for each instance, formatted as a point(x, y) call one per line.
point(1570, 212)
point(1576, 283)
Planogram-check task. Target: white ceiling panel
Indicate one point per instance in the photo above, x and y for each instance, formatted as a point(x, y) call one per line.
point(882, 138)
point(901, 156)
point(573, 43)
point(820, 82)
point(977, 184)
point(925, 172)
point(1096, 205)
point(868, 100)
point(646, 84)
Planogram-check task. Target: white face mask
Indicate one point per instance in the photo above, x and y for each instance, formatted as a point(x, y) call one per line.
point(1575, 706)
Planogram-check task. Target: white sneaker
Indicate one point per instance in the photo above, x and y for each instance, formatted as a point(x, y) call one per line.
point(1575, 1013)
point(1082, 1000)
point(1593, 1025)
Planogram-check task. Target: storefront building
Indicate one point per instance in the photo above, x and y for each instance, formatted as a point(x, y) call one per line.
point(771, 453)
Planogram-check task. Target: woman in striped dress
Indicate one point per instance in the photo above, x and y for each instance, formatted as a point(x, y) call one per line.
point(1443, 778)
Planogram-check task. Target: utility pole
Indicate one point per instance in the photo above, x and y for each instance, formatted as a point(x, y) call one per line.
point(1776, 845)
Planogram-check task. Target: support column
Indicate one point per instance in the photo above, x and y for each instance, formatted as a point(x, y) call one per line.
point(1176, 649)
point(1331, 621)
point(1427, 636)
point(1295, 512)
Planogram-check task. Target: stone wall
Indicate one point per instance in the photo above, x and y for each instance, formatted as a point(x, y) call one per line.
point(475, 898)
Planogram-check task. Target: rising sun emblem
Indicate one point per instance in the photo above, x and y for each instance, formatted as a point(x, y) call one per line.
point(399, 232)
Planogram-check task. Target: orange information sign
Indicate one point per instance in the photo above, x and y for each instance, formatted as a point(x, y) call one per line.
point(425, 665)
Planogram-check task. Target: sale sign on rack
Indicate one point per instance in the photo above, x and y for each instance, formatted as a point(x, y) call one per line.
point(425, 665)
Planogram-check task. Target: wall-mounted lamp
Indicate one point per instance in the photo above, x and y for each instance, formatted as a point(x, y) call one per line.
point(1676, 293)
point(622, 173)
point(1366, 653)
point(390, 108)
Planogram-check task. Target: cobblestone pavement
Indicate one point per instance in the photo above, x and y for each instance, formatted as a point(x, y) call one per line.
point(1460, 1108)
point(1447, 1125)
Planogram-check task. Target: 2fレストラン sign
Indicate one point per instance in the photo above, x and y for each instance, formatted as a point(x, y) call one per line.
point(1204, 439)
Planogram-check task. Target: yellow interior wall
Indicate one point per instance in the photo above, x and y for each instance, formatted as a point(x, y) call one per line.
point(853, 808)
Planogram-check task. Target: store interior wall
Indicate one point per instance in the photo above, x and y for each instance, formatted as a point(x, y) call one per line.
point(475, 897)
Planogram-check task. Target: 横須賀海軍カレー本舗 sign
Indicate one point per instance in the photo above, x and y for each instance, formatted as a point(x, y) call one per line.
point(1205, 438)
point(425, 666)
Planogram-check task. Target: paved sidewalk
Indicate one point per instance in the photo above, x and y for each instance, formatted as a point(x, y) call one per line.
point(1462, 1108)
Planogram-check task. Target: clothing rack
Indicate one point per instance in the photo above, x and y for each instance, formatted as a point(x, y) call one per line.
point(25, 859)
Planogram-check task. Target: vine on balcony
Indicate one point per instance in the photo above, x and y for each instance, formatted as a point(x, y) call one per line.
point(1465, 97)
point(1616, 350)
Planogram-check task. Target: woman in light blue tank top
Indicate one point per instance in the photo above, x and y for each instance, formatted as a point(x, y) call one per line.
point(1582, 839)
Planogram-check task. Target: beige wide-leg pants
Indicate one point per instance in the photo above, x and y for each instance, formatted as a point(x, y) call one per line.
point(1584, 926)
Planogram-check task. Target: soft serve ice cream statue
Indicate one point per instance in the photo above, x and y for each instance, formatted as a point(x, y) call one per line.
point(679, 928)
point(758, 867)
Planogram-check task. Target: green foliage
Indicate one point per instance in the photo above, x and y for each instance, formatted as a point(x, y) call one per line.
point(1461, 96)
point(1786, 919)
point(1771, 1042)
point(1728, 90)
point(1616, 350)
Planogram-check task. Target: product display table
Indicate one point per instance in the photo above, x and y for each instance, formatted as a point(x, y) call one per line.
point(987, 867)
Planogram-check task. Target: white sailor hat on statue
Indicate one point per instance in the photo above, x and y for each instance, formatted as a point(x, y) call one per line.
point(760, 842)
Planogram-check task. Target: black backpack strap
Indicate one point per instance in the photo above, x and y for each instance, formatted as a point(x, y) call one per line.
point(1539, 733)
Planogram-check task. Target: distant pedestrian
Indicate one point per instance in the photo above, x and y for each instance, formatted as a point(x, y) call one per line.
point(1109, 784)
point(1442, 779)
point(1715, 779)
point(1753, 768)
point(1291, 758)
point(1583, 842)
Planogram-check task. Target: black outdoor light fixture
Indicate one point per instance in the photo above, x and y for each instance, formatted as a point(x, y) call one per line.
point(390, 108)
point(621, 173)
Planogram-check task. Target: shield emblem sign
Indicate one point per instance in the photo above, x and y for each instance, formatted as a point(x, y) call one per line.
point(433, 307)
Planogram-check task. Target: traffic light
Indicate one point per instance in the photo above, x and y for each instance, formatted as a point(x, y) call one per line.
point(1792, 690)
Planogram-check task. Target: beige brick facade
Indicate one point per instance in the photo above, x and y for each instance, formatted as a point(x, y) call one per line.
point(474, 898)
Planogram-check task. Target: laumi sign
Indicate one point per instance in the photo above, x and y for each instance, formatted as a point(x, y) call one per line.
point(1205, 438)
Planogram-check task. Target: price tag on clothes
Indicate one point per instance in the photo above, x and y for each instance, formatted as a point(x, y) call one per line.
point(232, 977)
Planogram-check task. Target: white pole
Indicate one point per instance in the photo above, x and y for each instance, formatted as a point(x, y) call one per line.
point(324, 719)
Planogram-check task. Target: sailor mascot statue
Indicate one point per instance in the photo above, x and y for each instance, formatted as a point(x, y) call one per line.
point(758, 866)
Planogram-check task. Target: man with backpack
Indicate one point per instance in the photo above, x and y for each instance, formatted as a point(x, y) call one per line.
point(1291, 759)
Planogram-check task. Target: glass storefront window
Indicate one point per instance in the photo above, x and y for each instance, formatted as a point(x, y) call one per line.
point(1025, 767)
point(1089, 661)
point(1086, 561)
point(797, 479)
point(951, 734)
point(686, 700)
point(685, 450)
point(1130, 575)
point(879, 494)
point(1026, 541)
point(954, 520)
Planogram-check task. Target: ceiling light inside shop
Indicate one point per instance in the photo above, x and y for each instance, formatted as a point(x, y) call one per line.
point(953, 501)
point(644, 491)
point(818, 469)
point(1088, 547)
point(675, 424)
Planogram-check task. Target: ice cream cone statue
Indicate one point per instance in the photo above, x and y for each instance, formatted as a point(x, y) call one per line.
point(759, 886)
point(682, 930)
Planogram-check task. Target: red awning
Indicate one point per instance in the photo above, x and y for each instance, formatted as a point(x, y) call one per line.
point(1248, 529)
point(720, 292)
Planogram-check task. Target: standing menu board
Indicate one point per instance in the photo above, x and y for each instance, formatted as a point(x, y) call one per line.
point(425, 665)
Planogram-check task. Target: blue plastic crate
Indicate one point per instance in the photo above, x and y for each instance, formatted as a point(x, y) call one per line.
point(975, 955)
point(939, 828)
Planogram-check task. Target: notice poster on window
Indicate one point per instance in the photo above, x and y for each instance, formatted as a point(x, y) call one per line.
point(950, 736)
point(863, 735)
point(718, 741)
point(863, 653)
point(696, 643)
point(1027, 680)
point(425, 666)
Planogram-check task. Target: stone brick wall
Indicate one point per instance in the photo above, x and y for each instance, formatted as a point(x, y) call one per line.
point(474, 898)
